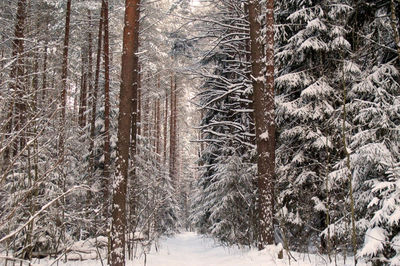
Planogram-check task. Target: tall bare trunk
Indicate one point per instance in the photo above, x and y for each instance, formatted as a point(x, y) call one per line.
point(349, 172)
point(158, 127)
point(139, 108)
point(263, 90)
point(134, 131)
point(107, 151)
point(175, 135)
point(44, 74)
point(153, 127)
point(83, 91)
point(32, 157)
point(17, 74)
point(94, 98)
point(128, 79)
point(394, 24)
point(134, 111)
point(64, 76)
point(61, 144)
point(90, 63)
point(172, 132)
point(146, 119)
point(165, 129)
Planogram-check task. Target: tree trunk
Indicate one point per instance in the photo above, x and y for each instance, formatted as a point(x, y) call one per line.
point(134, 133)
point(90, 65)
point(172, 132)
point(175, 135)
point(165, 127)
point(94, 100)
point(107, 151)
point(139, 108)
point(154, 127)
point(349, 172)
point(263, 93)
point(44, 74)
point(158, 128)
point(146, 119)
point(134, 112)
point(64, 76)
point(394, 24)
point(128, 79)
point(17, 73)
point(83, 91)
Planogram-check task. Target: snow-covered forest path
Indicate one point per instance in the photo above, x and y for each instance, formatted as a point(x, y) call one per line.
point(191, 249)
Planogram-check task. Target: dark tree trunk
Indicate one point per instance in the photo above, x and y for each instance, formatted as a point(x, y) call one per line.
point(44, 74)
point(139, 107)
point(17, 74)
point(64, 76)
point(94, 100)
point(158, 127)
point(165, 127)
point(135, 106)
point(263, 87)
point(175, 135)
point(83, 91)
point(134, 132)
point(171, 131)
point(90, 64)
point(128, 79)
point(106, 53)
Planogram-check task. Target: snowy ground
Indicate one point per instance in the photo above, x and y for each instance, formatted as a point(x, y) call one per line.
point(190, 249)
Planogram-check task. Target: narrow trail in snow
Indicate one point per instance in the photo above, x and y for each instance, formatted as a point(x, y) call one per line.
point(191, 249)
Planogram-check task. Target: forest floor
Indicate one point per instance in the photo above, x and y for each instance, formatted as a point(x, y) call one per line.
point(191, 249)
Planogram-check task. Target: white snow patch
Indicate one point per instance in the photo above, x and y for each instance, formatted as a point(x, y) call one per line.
point(264, 136)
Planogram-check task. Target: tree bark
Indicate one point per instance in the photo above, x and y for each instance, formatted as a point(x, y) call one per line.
point(139, 107)
point(158, 127)
point(134, 117)
point(165, 129)
point(172, 132)
point(134, 133)
point(175, 136)
point(83, 91)
point(64, 76)
point(394, 24)
point(44, 74)
point(263, 93)
point(94, 99)
point(106, 53)
point(90, 65)
point(17, 73)
point(128, 79)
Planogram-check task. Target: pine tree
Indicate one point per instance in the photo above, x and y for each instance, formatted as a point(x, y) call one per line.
point(227, 124)
point(264, 117)
point(128, 77)
point(311, 43)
